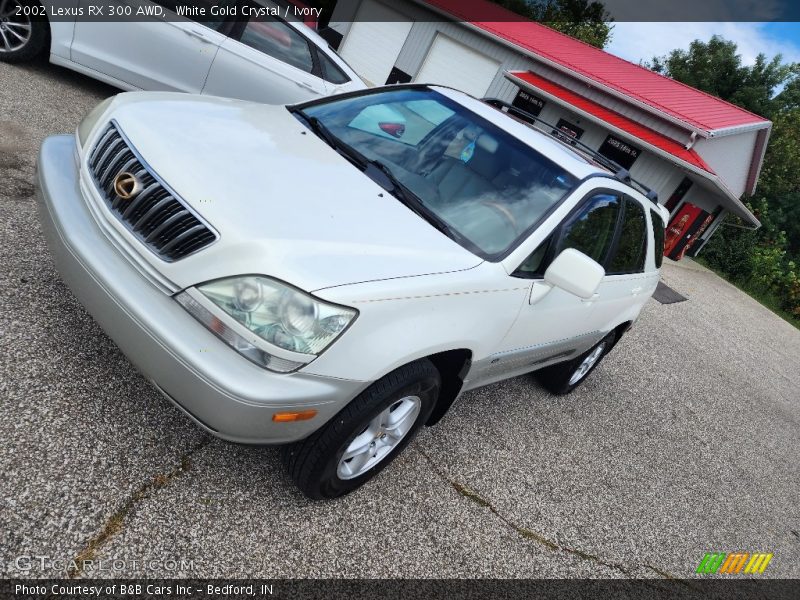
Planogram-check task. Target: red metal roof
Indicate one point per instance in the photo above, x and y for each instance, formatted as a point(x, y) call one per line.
point(687, 104)
point(634, 129)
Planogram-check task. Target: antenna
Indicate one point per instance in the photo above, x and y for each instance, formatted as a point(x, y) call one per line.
point(620, 173)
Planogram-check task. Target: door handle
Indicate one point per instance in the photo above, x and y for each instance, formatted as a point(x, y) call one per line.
point(306, 85)
point(196, 33)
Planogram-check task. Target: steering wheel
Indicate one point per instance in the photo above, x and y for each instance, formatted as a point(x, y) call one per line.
point(503, 212)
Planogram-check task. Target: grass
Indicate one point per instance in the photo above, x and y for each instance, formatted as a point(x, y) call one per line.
point(766, 299)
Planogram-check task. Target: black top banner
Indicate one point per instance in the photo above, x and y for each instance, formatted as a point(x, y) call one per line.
point(425, 10)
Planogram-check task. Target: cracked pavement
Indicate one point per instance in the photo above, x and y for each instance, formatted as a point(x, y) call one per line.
point(684, 441)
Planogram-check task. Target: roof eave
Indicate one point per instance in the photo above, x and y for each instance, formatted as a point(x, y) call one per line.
point(739, 208)
point(736, 129)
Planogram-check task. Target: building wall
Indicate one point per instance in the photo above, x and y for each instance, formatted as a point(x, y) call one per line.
point(724, 155)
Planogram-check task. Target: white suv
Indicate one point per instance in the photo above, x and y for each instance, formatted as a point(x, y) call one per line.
point(333, 275)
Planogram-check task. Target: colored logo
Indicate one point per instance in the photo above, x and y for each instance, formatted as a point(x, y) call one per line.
point(734, 563)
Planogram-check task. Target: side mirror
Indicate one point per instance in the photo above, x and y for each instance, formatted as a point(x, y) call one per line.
point(576, 273)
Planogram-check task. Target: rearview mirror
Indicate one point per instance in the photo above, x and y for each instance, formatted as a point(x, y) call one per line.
point(576, 273)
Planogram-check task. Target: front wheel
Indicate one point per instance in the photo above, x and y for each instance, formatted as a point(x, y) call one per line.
point(366, 435)
point(22, 37)
point(562, 378)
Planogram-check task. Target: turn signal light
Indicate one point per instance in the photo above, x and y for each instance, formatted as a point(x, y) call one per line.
point(288, 417)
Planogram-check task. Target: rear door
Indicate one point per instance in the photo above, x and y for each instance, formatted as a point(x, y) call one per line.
point(168, 53)
point(267, 60)
point(630, 272)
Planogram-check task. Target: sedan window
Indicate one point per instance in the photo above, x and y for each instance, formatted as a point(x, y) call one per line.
point(330, 70)
point(277, 39)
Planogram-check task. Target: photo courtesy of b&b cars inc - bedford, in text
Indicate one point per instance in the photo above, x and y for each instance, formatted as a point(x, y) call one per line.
point(371, 299)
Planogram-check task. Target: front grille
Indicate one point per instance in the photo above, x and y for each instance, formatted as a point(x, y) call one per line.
point(155, 215)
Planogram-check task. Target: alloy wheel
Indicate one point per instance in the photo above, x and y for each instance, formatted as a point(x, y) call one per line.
point(15, 30)
point(379, 437)
point(587, 364)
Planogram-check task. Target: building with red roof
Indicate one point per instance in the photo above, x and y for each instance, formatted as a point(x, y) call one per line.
point(701, 154)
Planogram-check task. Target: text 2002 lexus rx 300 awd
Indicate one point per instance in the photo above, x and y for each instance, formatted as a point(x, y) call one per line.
point(333, 275)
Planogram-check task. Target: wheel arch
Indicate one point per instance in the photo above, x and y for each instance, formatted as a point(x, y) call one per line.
point(620, 330)
point(453, 366)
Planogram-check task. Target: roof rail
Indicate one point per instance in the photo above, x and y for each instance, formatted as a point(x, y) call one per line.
point(620, 173)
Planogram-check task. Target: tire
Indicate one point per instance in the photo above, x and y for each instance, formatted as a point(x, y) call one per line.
point(563, 378)
point(33, 28)
point(316, 464)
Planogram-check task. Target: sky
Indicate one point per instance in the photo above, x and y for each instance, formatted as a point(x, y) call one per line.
point(642, 41)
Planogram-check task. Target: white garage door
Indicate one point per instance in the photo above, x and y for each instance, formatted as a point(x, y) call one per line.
point(374, 41)
point(456, 65)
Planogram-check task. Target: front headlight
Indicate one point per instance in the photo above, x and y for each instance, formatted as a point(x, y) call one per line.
point(90, 120)
point(278, 314)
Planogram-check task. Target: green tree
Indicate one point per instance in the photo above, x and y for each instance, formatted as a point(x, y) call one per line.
point(764, 261)
point(716, 67)
point(586, 20)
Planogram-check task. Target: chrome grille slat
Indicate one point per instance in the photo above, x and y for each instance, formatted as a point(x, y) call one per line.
point(139, 200)
point(143, 221)
point(102, 144)
point(117, 145)
point(179, 239)
point(156, 216)
point(154, 235)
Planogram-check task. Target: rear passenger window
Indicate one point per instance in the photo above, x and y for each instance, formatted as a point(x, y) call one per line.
point(591, 231)
point(658, 237)
point(330, 71)
point(279, 40)
point(629, 254)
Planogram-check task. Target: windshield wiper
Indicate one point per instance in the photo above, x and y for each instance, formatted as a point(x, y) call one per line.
point(410, 199)
point(390, 181)
point(333, 141)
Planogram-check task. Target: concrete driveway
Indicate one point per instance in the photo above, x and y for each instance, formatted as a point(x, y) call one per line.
point(684, 441)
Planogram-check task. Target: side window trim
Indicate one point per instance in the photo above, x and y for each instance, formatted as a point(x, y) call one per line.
point(657, 221)
point(626, 199)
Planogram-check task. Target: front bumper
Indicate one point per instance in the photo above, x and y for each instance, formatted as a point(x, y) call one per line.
point(222, 391)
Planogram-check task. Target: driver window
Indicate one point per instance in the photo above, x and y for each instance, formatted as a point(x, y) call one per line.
point(591, 230)
point(533, 266)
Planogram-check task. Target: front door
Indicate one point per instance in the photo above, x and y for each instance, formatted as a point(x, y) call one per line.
point(557, 325)
point(148, 52)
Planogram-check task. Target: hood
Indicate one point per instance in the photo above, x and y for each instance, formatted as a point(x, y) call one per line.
point(285, 203)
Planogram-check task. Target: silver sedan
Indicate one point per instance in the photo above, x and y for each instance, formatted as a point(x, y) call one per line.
point(248, 49)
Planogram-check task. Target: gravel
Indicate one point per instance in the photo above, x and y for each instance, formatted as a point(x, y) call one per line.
point(684, 441)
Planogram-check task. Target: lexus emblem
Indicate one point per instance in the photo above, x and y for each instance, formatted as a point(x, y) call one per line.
point(126, 185)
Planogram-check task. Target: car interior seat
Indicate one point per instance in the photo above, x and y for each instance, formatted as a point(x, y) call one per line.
point(459, 180)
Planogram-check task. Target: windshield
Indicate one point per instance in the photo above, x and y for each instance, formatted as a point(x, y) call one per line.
point(485, 185)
